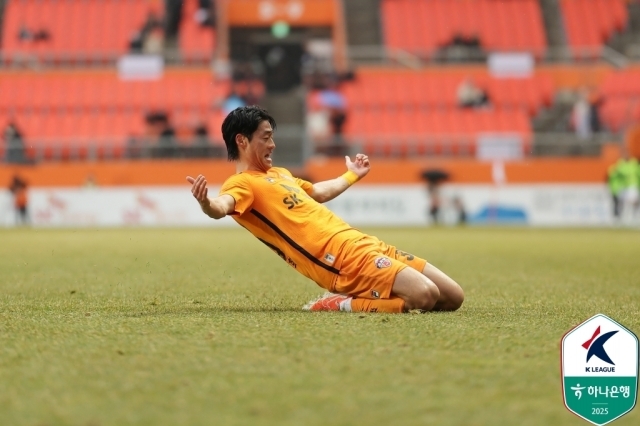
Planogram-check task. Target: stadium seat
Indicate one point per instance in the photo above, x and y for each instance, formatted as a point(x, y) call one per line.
point(66, 112)
point(422, 27)
point(420, 90)
point(77, 28)
point(591, 23)
point(194, 41)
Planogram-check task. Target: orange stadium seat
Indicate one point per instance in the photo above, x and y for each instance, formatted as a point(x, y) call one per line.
point(620, 95)
point(75, 27)
point(414, 89)
point(194, 41)
point(79, 108)
point(590, 23)
point(424, 26)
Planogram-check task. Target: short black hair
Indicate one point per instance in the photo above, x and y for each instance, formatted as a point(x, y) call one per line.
point(244, 121)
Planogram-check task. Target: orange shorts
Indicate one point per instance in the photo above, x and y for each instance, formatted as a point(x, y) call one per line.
point(369, 268)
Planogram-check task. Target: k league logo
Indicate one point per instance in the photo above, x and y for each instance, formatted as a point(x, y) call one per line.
point(596, 346)
point(599, 370)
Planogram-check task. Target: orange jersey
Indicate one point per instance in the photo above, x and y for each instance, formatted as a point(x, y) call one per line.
point(277, 209)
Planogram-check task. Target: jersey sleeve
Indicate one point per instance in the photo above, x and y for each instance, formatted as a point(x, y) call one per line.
point(239, 188)
point(305, 185)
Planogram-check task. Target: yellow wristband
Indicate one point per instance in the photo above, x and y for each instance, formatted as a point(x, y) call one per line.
point(351, 177)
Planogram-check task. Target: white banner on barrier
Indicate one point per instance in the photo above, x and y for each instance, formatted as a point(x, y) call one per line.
point(386, 205)
point(538, 205)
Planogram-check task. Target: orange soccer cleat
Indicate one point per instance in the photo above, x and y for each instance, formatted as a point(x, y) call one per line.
point(329, 302)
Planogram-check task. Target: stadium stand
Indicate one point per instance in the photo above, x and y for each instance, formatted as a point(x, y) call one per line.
point(195, 40)
point(390, 110)
point(75, 28)
point(422, 27)
point(620, 95)
point(591, 23)
point(78, 108)
point(395, 88)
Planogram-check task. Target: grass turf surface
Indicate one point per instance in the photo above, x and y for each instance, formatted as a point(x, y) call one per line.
point(201, 327)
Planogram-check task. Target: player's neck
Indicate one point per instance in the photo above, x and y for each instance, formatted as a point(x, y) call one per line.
point(244, 166)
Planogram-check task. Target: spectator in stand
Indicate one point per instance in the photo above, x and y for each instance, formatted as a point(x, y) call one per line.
point(470, 95)
point(27, 35)
point(18, 188)
point(336, 104)
point(150, 38)
point(14, 144)
point(167, 145)
point(161, 129)
point(581, 116)
point(136, 42)
point(201, 145)
point(154, 42)
point(232, 101)
point(205, 15)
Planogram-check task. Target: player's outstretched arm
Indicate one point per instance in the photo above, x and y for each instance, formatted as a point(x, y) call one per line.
point(330, 189)
point(216, 208)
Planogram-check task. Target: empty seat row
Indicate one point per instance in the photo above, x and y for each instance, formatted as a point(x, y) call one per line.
point(619, 112)
point(421, 90)
point(621, 83)
point(88, 127)
point(453, 122)
point(422, 26)
point(591, 23)
point(75, 26)
point(94, 28)
point(87, 90)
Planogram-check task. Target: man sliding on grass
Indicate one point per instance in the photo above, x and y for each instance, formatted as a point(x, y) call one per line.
point(362, 273)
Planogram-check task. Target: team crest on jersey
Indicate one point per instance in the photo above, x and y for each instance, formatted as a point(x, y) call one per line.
point(329, 258)
point(382, 262)
point(270, 180)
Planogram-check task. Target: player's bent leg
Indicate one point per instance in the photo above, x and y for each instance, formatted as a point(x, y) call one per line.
point(417, 290)
point(451, 294)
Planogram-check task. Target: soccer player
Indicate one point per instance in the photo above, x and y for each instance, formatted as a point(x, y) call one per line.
point(360, 272)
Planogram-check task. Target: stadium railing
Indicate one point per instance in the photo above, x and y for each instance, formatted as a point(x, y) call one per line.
point(100, 149)
point(360, 55)
point(26, 60)
point(388, 146)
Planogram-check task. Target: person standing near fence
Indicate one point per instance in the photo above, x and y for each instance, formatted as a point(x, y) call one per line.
point(18, 188)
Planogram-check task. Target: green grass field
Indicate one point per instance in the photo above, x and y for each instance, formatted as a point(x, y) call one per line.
point(204, 327)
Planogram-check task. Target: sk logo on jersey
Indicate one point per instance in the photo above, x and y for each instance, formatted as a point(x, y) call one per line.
point(270, 180)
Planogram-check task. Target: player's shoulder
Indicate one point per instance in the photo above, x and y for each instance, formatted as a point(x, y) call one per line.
point(237, 179)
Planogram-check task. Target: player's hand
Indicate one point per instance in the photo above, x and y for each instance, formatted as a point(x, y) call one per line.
point(199, 189)
point(360, 166)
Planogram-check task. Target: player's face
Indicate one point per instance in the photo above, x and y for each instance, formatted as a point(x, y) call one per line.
point(261, 147)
